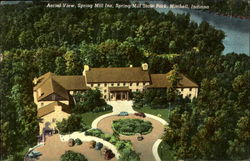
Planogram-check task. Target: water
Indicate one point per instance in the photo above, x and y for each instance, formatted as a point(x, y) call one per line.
point(236, 30)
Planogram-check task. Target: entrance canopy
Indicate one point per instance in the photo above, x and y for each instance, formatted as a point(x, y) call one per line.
point(119, 89)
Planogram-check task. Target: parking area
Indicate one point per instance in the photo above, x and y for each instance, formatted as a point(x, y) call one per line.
point(54, 148)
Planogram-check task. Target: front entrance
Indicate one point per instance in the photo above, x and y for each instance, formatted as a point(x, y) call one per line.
point(118, 96)
point(114, 96)
point(119, 93)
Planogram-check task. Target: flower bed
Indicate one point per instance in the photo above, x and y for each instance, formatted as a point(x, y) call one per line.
point(132, 126)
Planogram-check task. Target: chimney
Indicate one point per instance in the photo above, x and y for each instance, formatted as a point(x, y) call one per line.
point(144, 66)
point(35, 80)
point(85, 68)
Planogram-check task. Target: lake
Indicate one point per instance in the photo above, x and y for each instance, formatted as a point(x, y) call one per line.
point(236, 30)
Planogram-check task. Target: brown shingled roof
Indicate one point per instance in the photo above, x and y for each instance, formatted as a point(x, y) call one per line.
point(162, 81)
point(45, 110)
point(76, 82)
point(51, 86)
point(50, 83)
point(126, 74)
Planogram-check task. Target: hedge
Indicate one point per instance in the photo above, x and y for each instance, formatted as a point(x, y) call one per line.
point(132, 126)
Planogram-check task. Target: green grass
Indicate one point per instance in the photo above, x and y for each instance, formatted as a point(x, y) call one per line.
point(89, 117)
point(164, 152)
point(162, 113)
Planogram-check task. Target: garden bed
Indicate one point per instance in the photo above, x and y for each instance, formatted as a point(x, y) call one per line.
point(132, 126)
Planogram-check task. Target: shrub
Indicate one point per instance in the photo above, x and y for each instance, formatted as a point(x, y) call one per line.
point(113, 140)
point(129, 155)
point(106, 137)
point(72, 156)
point(102, 108)
point(93, 101)
point(131, 126)
point(94, 132)
point(78, 141)
point(73, 123)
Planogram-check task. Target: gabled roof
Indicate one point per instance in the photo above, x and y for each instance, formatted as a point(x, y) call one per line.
point(76, 82)
point(162, 81)
point(50, 83)
point(109, 75)
point(50, 86)
point(45, 110)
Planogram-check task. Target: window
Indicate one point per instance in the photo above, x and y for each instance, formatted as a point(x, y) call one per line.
point(105, 96)
point(190, 89)
point(53, 97)
point(137, 90)
point(124, 84)
point(189, 95)
point(105, 84)
point(181, 89)
point(91, 85)
point(137, 84)
point(105, 90)
point(112, 84)
point(98, 85)
point(118, 84)
point(131, 84)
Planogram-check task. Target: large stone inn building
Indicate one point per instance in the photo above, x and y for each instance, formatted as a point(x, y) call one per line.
point(53, 93)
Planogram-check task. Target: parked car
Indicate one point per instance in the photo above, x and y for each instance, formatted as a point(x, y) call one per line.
point(139, 137)
point(71, 142)
point(98, 146)
point(140, 114)
point(108, 154)
point(34, 154)
point(123, 113)
point(92, 144)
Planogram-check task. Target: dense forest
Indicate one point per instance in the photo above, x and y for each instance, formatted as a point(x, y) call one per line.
point(35, 40)
point(236, 8)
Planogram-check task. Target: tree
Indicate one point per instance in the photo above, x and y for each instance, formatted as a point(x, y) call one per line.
point(130, 155)
point(174, 76)
point(71, 155)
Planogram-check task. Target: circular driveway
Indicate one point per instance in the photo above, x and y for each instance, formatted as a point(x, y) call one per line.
point(145, 146)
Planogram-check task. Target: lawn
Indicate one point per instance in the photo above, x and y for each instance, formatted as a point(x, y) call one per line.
point(89, 117)
point(163, 113)
point(164, 152)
